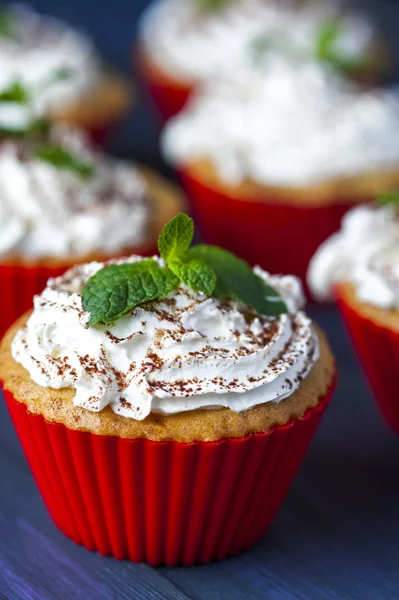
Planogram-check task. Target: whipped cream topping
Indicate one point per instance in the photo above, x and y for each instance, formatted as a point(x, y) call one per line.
point(365, 253)
point(283, 124)
point(191, 44)
point(35, 50)
point(46, 211)
point(184, 352)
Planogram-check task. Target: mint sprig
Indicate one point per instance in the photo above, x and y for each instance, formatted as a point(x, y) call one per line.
point(64, 160)
point(6, 22)
point(389, 198)
point(211, 5)
point(19, 93)
point(15, 92)
point(326, 47)
point(118, 289)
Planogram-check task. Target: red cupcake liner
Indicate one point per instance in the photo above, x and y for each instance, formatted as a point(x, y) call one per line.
point(99, 134)
point(281, 238)
point(166, 94)
point(167, 98)
point(163, 502)
point(377, 348)
point(19, 284)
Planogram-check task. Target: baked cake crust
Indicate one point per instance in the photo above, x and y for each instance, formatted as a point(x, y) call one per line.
point(197, 425)
point(340, 190)
point(108, 101)
point(381, 316)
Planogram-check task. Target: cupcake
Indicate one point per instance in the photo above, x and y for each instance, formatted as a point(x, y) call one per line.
point(359, 266)
point(272, 157)
point(60, 70)
point(183, 43)
point(62, 203)
point(165, 404)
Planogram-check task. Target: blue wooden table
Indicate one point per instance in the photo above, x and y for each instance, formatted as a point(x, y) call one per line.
point(336, 536)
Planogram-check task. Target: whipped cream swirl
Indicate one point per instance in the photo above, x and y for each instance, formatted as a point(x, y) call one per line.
point(37, 47)
point(365, 253)
point(268, 124)
point(185, 352)
point(191, 44)
point(46, 211)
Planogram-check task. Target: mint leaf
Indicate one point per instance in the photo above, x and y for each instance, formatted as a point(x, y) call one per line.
point(118, 289)
point(61, 74)
point(176, 237)
point(236, 280)
point(65, 160)
point(36, 127)
point(16, 92)
point(6, 22)
point(211, 5)
point(389, 198)
point(326, 47)
point(326, 39)
point(196, 274)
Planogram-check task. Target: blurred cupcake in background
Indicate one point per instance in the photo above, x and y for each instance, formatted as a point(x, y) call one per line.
point(59, 69)
point(359, 267)
point(273, 156)
point(186, 407)
point(63, 203)
point(184, 42)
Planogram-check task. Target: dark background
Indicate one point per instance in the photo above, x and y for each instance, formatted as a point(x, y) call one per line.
point(337, 534)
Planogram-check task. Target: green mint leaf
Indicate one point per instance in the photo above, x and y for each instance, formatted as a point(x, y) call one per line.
point(236, 280)
point(211, 5)
point(61, 74)
point(38, 126)
point(117, 289)
point(16, 92)
point(326, 39)
point(176, 237)
point(389, 198)
point(325, 48)
point(6, 22)
point(35, 128)
point(65, 160)
point(196, 274)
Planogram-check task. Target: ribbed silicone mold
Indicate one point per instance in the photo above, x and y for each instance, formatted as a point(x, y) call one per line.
point(378, 350)
point(163, 502)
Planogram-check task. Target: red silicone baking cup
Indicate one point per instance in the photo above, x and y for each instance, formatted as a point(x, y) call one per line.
point(166, 94)
point(163, 502)
point(99, 134)
point(18, 285)
point(168, 99)
point(281, 238)
point(378, 350)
